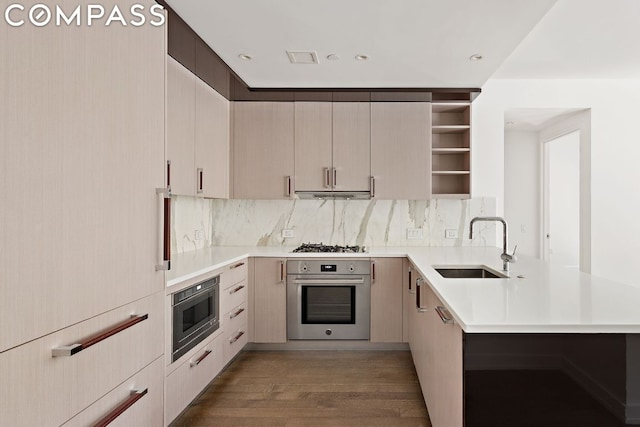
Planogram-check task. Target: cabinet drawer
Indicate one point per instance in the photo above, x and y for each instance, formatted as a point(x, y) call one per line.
point(186, 382)
point(233, 296)
point(146, 411)
point(235, 318)
point(236, 272)
point(235, 341)
point(65, 385)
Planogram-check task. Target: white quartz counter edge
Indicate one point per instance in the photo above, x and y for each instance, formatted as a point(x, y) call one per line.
point(547, 299)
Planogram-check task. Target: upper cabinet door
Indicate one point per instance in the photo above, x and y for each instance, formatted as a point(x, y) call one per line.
point(401, 150)
point(181, 111)
point(351, 146)
point(212, 143)
point(263, 160)
point(313, 157)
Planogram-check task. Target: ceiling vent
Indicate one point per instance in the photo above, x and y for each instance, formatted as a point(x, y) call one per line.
point(299, 57)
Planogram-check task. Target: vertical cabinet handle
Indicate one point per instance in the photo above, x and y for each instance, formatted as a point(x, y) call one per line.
point(281, 278)
point(166, 229)
point(372, 186)
point(168, 173)
point(166, 222)
point(373, 272)
point(418, 298)
point(289, 185)
point(335, 177)
point(411, 291)
point(327, 177)
point(200, 173)
point(119, 410)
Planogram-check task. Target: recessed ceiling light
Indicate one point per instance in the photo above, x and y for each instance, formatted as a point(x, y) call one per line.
point(362, 57)
point(333, 57)
point(245, 57)
point(475, 57)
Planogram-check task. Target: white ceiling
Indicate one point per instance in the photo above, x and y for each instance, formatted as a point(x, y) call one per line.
point(580, 39)
point(410, 43)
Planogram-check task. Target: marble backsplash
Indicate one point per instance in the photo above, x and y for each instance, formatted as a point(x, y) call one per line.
point(342, 222)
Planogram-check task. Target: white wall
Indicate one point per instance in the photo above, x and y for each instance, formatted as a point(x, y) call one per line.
point(522, 191)
point(615, 150)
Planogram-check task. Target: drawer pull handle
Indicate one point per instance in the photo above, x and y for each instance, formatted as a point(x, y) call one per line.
point(240, 264)
point(236, 338)
point(200, 359)
point(117, 411)
point(239, 288)
point(236, 314)
point(70, 350)
point(444, 314)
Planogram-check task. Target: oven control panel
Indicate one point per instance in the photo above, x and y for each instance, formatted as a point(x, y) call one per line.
point(328, 267)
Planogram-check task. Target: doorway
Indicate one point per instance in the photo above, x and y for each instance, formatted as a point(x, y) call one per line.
point(561, 200)
point(537, 204)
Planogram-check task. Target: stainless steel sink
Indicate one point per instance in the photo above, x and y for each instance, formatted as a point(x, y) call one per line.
point(469, 272)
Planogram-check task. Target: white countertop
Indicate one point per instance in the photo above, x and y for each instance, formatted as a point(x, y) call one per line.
point(548, 299)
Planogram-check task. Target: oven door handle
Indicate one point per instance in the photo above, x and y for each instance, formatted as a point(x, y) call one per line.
point(329, 281)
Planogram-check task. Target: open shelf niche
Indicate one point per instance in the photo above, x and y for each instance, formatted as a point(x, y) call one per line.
point(451, 150)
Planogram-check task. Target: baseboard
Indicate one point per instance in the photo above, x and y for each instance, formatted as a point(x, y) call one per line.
point(600, 393)
point(328, 345)
point(501, 361)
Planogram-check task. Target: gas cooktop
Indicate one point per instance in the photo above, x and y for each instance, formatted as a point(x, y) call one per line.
point(320, 247)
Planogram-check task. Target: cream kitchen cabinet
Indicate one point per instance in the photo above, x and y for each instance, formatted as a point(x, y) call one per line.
point(332, 146)
point(82, 131)
point(351, 146)
point(263, 156)
point(401, 150)
point(313, 146)
point(193, 374)
point(386, 300)
point(437, 349)
point(197, 135)
point(142, 394)
point(64, 382)
point(212, 142)
point(233, 308)
point(82, 149)
point(407, 297)
point(270, 300)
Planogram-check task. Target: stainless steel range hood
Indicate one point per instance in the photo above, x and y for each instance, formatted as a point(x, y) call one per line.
point(335, 195)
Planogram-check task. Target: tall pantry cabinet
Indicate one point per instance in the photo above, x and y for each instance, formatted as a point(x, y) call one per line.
point(81, 155)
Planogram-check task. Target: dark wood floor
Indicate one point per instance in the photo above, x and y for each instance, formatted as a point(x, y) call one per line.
point(312, 388)
point(378, 388)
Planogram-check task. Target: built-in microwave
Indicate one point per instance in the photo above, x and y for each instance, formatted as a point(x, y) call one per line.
point(196, 315)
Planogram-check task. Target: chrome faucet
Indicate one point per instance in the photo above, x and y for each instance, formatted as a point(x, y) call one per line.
point(505, 257)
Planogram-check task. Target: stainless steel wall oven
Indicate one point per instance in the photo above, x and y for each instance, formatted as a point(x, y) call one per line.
point(328, 299)
point(196, 315)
